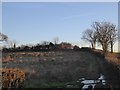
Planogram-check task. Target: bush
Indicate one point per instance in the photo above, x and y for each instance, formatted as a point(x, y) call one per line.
point(13, 78)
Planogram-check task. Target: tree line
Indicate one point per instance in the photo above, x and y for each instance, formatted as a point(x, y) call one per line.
point(103, 33)
point(43, 46)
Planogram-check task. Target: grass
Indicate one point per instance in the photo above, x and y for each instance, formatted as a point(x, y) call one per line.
point(44, 84)
point(113, 58)
point(54, 69)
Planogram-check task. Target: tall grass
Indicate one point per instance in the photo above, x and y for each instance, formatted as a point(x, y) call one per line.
point(12, 78)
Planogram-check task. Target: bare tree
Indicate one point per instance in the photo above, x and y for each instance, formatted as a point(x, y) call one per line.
point(45, 42)
point(90, 36)
point(3, 37)
point(106, 34)
point(113, 36)
point(56, 40)
point(11, 43)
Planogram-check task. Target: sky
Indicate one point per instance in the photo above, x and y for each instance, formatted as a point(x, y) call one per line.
point(60, 0)
point(27, 22)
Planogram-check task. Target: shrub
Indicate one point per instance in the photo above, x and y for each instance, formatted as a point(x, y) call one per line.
point(12, 78)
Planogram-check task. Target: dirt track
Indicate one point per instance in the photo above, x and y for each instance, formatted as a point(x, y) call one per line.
point(109, 71)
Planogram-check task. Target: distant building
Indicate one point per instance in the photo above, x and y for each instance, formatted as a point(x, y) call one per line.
point(76, 47)
point(65, 45)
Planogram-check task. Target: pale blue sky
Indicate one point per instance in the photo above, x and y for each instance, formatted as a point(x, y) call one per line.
point(60, 0)
point(0, 16)
point(36, 22)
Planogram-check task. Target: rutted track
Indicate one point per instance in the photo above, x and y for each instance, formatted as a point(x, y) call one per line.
point(110, 72)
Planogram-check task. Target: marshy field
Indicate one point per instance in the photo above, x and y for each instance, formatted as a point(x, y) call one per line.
point(63, 69)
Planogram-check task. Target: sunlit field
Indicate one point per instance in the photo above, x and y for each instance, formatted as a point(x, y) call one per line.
point(53, 69)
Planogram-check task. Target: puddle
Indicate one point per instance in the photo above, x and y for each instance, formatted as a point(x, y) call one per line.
point(92, 83)
point(102, 78)
point(85, 84)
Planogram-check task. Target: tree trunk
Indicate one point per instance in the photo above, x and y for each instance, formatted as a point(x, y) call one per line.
point(105, 47)
point(111, 47)
point(93, 45)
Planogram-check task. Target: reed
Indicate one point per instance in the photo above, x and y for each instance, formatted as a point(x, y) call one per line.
point(13, 78)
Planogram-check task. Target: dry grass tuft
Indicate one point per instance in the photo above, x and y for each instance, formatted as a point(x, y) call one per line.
point(12, 78)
